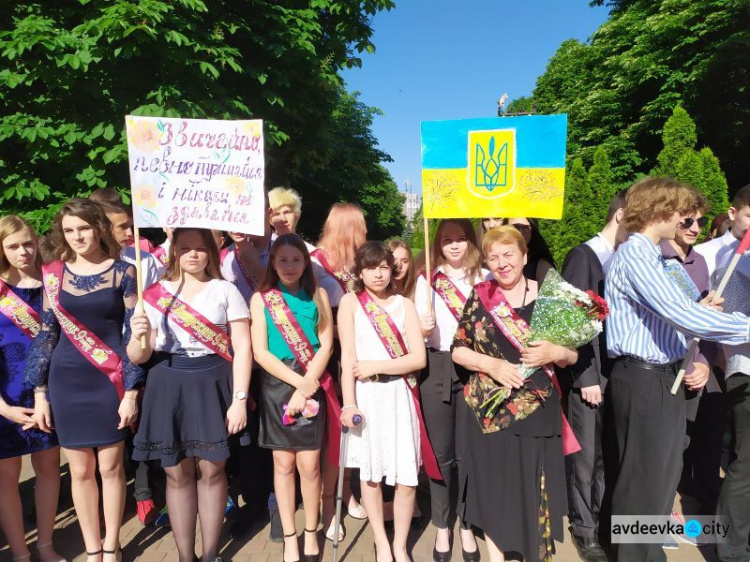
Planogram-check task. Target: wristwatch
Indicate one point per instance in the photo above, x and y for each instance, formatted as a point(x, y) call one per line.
point(240, 395)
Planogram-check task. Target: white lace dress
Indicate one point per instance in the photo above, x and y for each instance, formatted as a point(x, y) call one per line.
point(386, 443)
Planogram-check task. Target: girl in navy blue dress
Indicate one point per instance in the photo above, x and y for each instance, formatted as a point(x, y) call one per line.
point(79, 358)
point(20, 307)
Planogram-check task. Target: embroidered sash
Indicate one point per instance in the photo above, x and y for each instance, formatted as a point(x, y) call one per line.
point(679, 276)
point(161, 254)
point(294, 336)
point(19, 312)
point(517, 331)
point(342, 276)
point(394, 344)
point(251, 282)
point(88, 344)
point(447, 290)
point(189, 319)
point(193, 322)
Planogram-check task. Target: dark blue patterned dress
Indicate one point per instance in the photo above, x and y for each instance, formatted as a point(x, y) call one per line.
point(14, 349)
point(84, 401)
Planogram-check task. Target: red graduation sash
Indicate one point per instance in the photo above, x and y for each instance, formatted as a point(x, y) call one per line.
point(88, 344)
point(19, 312)
point(447, 290)
point(394, 344)
point(193, 322)
point(342, 276)
point(189, 319)
point(294, 336)
point(161, 254)
point(517, 331)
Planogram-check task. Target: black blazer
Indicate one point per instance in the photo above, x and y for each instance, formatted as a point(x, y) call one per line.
point(583, 270)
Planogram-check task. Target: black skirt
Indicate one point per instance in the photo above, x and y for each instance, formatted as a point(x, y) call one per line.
point(514, 484)
point(184, 410)
point(306, 434)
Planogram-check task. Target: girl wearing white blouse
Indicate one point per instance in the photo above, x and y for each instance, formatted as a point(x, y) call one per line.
point(196, 391)
point(459, 268)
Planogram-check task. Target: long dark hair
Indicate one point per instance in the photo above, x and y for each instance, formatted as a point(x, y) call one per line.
point(407, 289)
point(213, 268)
point(372, 254)
point(91, 213)
point(307, 280)
point(538, 249)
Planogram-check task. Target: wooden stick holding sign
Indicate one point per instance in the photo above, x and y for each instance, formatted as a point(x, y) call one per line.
point(427, 264)
point(138, 277)
point(741, 249)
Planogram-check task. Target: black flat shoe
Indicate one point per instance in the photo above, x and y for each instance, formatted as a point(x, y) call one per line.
point(589, 549)
point(311, 557)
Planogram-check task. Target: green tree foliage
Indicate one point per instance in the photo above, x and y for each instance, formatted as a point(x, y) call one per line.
point(679, 137)
point(70, 70)
point(384, 203)
point(679, 159)
point(577, 221)
point(651, 55)
point(603, 189)
point(714, 183)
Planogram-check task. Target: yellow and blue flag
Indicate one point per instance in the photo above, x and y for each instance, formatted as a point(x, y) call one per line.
point(494, 167)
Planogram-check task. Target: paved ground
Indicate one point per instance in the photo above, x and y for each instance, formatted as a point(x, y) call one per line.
point(156, 545)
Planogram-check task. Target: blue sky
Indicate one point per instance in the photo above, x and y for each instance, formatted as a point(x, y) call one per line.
point(453, 59)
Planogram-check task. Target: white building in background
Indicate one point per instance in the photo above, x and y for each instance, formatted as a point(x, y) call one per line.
point(412, 201)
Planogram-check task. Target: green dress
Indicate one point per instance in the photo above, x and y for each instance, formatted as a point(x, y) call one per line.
point(306, 433)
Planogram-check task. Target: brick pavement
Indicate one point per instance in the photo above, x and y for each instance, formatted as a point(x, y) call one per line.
point(157, 545)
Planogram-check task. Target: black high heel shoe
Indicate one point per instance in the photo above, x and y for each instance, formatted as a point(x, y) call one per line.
point(283, 546)
point(311, 557)
point(438, 556)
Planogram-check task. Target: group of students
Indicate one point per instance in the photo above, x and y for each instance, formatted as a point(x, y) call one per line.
point(349, 332)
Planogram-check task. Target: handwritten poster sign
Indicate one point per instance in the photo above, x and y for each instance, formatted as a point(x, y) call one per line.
point(197, 173)
point(494, 167)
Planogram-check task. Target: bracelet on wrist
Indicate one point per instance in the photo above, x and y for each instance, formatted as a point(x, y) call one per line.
point(40, 391)
point(349, 407)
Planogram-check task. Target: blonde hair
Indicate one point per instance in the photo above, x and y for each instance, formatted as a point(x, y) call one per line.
point(651, 200)
point(503, 235)
point(344, 231)
point(472, 259)
point(280, 196)
point(10, 225)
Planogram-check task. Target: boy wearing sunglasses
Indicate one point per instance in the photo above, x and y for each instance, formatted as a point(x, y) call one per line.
point(702, 458)
point(651, 319)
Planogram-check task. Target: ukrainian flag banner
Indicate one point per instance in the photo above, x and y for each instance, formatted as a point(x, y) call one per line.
point(494, 167)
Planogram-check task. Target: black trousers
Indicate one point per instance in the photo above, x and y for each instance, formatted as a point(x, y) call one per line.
point(734, 500)
point(440, 390)
point(649, 427)
point(705, 429)
point(584, 470)
point(255, 464)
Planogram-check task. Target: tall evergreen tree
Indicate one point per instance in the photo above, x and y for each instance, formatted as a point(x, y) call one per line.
point(573, 227)
point(716, 188)
point(603, 189)
point(679, 137)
